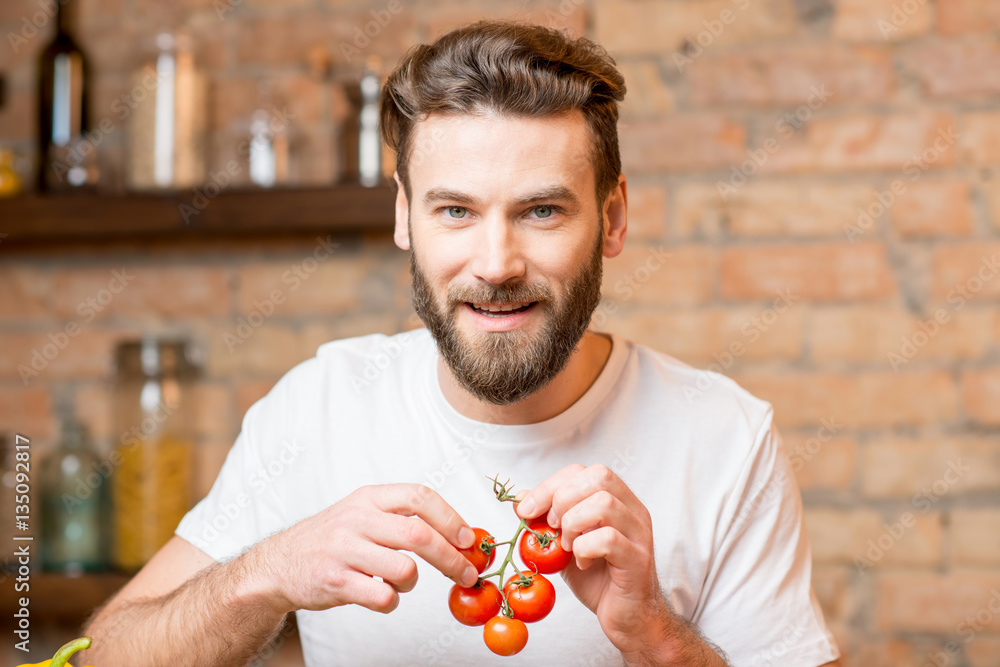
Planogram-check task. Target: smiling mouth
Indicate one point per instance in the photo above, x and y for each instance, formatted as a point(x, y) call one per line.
point(500, 310)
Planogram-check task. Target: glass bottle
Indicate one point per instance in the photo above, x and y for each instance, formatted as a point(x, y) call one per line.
point(10, 180)
point(66, 159)
point(74, 506)
point(360, 145)
point(152, 486)
point(268, 143)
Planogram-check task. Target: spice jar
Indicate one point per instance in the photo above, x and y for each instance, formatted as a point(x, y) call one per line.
point(152, 487)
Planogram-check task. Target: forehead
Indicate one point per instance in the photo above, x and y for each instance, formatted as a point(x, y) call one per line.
point(500, 155)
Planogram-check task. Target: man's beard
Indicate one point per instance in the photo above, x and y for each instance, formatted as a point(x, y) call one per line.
point(505, 367)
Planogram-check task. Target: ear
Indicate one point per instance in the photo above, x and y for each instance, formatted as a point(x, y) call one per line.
point(402, 233)
point(615, 212)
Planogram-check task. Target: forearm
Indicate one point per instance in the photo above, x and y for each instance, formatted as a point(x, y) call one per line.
point(217, 617)
point(673, 641)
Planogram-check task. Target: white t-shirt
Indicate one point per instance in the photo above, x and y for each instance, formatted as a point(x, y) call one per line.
point(702, 454)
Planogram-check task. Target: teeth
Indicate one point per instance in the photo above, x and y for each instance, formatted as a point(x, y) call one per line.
point(501, 308)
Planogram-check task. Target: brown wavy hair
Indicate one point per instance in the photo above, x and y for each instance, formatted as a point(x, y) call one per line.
point(509, 68)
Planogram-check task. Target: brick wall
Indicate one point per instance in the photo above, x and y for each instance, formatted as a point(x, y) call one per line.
point(823, 175)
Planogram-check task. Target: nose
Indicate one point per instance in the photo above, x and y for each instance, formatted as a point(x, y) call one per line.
point(498, 254)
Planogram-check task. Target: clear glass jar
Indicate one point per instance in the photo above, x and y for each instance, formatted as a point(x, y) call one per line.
point(152, 487)
point(168, 116)
point(74, 505)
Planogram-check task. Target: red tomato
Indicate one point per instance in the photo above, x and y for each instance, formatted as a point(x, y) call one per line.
point(548, 559)
point(505, 636)
point(475, 605)
point(533, 601)
point(476, 554)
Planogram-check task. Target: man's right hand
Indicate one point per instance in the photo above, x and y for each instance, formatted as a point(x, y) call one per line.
point(332, 558)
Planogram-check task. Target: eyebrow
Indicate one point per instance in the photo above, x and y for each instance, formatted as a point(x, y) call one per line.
point(555, 192)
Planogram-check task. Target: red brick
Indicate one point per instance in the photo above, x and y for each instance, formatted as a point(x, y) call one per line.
point(249, 392)
point(647, 211)
point(833, 590)
point(957, 69)
point(643, 275)
point(212, 406)
point(679, 142)
point(88, 354)
point(860, 142)
point(266, 350)
point(87, 295)
point(981, 395)
point(648, 92)
point(980, 137)
point(991, 194)
point(957, 17)
point(868, 539)
point(566, 15)
point(27, 411)
point(17, 117)
point(25, 296)
point(348, 326)
point(965, 273)
point(208, 459)
point(295, 101)
point(791, 76)
point(708, 338)
point(933, 208)
point(305, 285)
point(761, 209)
point(895, 652)
point(822, 466)
point(880, 20)
point(92, 402)
point(894, 467)
point(937, 603)
point(975, 537)
point(861, 400)
point(868, 334)
point(827, 272)
point(647, 26)
point(344, 32)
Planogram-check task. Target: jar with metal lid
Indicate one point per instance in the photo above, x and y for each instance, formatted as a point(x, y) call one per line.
point(152, 486)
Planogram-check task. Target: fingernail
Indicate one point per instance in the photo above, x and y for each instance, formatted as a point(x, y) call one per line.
point(466, 537)
point(471, 576)
point(526, 507)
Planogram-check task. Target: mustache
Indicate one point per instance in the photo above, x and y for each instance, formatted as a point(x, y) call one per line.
point(500, 294)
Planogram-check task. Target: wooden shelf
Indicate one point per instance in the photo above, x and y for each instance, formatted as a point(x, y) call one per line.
point(33, 221)
point(60, 599)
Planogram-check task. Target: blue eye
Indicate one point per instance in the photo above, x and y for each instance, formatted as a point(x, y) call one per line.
point(547, 211)
point(460, 209)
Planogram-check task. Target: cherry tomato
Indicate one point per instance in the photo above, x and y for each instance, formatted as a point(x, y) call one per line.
point(548, 559)
point(533, 601)
point(505, 636)
point(476, 555)
point(475, 605)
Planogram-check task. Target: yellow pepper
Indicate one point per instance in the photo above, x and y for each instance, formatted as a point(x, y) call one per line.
point(63, 654)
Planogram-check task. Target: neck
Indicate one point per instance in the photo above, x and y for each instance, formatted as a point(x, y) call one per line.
point(582, 369)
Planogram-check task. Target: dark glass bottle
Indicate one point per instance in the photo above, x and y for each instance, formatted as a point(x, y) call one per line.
point(63, 101)
point(75, 505)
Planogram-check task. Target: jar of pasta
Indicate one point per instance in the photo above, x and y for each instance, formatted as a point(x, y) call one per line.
point(152, 483)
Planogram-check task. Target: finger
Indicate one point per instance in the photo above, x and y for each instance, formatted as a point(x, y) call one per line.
point(413, 534)
point(539, 500)
point(395, 568)
point(595, 478)
point(361, 589)
point(425, 502)
point(609, 544)
point(595, 511)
